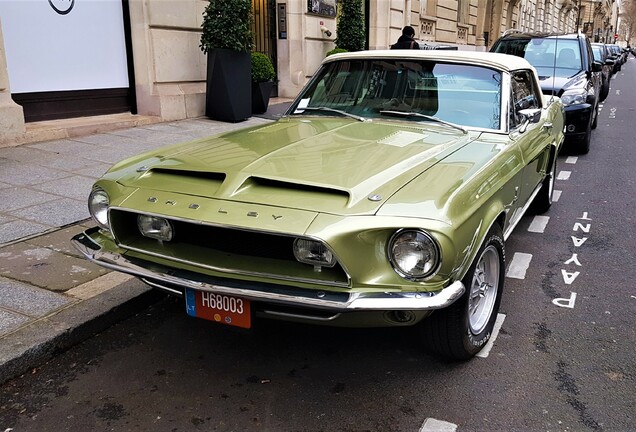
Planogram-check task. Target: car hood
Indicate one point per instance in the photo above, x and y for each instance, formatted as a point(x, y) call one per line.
point(336, 166)
point(562, 80)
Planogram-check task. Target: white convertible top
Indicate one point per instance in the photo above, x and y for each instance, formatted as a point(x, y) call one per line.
point(503, 62)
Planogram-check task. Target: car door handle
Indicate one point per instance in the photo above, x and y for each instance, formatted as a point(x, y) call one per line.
point(547, 126)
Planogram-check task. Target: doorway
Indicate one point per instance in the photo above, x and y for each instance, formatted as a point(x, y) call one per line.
point(264, 28)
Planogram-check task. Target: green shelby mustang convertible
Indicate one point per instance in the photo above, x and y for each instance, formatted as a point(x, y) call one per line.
point(382, 198)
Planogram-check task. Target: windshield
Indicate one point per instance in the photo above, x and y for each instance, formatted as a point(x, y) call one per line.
point(462, 94)
point(550, 56)
point(598, 54)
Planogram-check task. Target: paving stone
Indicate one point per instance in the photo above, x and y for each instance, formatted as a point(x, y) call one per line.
point(22, 174)
point(111, 155)
point(10, 321)
point(58, 213)
point(107, 140)
point(24, 154)
point(17, 229)
point(66, 147)
point(68, 163)
point(46, 268)
point(4, 218)
point(137, 133)
point(75, 187)
point(94, 172)
point(28, 300)
point(60, 240)
point(15, 198)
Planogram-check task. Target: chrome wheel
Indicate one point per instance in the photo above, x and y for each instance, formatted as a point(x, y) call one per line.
point(483, 290)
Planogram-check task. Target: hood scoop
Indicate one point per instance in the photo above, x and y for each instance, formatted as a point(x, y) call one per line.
point(184, 181)
point(291, 193)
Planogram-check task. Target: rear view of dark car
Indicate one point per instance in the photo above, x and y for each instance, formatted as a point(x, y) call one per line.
point(566, 68)
point(603, 56)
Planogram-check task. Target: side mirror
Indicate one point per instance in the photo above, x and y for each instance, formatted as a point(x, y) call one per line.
point(609, 62)
point(597, 66)
point(530, 115)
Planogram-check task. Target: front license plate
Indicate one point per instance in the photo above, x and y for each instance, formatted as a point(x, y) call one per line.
point(220, 308)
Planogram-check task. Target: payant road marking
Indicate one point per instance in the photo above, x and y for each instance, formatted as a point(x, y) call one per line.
point(538, 224)
point(519, 265)
point(495, 332)
point(556, 195)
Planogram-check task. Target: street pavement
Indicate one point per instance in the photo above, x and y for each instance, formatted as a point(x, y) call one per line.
point(50, 297)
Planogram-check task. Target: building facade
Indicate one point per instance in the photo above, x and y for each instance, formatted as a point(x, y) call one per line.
point(152, 64)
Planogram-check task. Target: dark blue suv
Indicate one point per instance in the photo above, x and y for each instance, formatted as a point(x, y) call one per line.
point(566, 67)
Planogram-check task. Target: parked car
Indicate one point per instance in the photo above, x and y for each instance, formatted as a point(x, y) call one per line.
point(602, 55)
point(567, 69)
point(616, 55)
point(382, 198)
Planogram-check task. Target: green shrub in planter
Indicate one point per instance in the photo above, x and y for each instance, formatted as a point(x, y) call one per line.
point(262, 82)
point(227, 24)
point(336, 51)
point(262, 68)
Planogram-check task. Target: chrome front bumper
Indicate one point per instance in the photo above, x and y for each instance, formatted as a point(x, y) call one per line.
point(175, 281)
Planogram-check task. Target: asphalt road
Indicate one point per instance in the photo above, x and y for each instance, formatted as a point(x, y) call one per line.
point(563, 359)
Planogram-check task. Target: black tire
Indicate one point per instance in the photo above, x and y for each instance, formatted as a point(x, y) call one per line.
point(461, 330)
point(605, 90)
point(543, 201)
point(584, 146)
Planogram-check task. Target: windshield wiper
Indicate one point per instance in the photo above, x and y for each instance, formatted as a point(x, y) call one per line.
point(344, 113)
point(427, 117)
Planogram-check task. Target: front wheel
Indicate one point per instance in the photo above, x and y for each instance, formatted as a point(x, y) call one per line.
point(543, 201)
point(461, 330)
point(595, 121)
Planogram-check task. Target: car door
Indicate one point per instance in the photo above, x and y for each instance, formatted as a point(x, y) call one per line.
point(531, 138)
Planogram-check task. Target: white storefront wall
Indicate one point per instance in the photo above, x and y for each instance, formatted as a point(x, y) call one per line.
point(84, 48)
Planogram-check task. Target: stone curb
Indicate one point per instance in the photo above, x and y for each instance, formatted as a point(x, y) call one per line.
point(38, 342)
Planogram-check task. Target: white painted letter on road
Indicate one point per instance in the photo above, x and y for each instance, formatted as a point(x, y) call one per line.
point(578, 241)
point(568, 278)
point(574, 259)
point(565, 303)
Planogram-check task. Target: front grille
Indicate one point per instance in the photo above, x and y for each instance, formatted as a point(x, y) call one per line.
point(225, 250)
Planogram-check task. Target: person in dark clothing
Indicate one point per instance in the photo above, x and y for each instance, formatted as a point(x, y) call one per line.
point(406, 41)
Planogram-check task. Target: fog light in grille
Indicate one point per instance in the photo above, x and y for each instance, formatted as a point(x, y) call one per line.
point(314, 253)
point(155, 227)
point(401, 317)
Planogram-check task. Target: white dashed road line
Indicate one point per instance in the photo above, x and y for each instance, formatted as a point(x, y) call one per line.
point(538, 224)
point(495, 332)
point(571, 160)
point(564, 175)
point(556, 195)
point(433, 425)
point(519, 265)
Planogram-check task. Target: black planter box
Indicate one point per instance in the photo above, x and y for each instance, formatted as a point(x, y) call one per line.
point(229, 82)
point(261, 92)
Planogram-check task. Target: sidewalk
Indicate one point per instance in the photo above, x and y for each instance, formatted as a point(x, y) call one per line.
point(50, 297)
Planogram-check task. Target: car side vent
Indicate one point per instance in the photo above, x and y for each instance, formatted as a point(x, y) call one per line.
point(203, 175)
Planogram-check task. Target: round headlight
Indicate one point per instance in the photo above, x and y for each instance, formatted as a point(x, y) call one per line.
point(414, 254)
point(98, 203)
